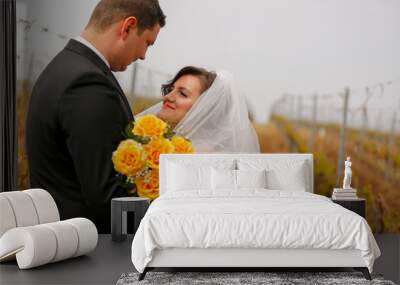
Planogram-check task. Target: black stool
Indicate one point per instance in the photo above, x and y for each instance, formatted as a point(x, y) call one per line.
point(119, 209)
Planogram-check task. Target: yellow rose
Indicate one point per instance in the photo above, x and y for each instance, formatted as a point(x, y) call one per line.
point(149, 126)
point(147, 185)
point(129, 158)
point(182, 145)
point(154, 148)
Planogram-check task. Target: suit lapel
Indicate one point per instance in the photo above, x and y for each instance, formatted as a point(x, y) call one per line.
point(122, 96)
point(92, 56)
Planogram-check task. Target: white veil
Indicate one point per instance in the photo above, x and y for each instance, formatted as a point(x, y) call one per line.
point(218, 121)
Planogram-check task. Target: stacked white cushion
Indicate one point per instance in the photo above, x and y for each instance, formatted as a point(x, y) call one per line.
point(281, 174)
point(23, 209)
point(66, 236)
point(32, 246)
point(7, 218)
point(26, 208)
point(87, 234)
point(45, 206)
point(31, 231)
point(41, 244)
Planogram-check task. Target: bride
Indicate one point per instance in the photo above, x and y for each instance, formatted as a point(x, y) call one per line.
point(206, 108)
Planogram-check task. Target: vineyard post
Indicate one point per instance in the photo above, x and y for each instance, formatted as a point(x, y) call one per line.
point(391, 141)
point(285, 105)
point(299, 108)
point(364, 110)
point(313, 123)
point(364, 123)
point(342, 136)
point(292, 107)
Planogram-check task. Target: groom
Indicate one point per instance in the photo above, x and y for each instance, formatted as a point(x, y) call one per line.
point(78, 110)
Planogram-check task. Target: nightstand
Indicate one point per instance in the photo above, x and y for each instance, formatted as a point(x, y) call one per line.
point(356, 205)
point(119, 209)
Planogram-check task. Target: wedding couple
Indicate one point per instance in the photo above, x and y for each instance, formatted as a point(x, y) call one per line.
point(77, 110)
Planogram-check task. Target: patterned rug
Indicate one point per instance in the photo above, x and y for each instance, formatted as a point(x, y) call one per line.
point(242, 278)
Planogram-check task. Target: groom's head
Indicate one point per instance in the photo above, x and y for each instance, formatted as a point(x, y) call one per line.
point(123, 29)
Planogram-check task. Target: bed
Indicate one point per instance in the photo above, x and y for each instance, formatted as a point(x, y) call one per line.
point(247, 210)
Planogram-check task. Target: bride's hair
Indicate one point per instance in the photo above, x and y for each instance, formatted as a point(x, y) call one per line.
point(206, 78)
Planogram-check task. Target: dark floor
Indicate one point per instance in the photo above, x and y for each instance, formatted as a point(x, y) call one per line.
point(389, 262)
point(102, 266)
point(110, 260)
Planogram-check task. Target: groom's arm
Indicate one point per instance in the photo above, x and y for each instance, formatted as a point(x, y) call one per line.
point(91, 117)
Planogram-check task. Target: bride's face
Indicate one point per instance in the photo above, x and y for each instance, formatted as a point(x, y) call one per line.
point(184, 92)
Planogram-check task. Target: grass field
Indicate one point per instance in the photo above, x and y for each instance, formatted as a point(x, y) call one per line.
point(376, 164)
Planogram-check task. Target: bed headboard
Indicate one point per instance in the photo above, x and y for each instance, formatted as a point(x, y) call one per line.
point(210, 158)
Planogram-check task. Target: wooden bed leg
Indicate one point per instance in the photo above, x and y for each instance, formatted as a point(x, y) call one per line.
point(143, 274)
point(364, 271)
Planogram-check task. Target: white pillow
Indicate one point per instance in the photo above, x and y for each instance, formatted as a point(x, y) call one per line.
point(281, 174)
point(223, 179)
point(293, 179)
point(251, 178)
point(236, 179)
point(181, 177)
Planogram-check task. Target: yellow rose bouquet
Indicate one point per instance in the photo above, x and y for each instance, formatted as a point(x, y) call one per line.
point(137, 157)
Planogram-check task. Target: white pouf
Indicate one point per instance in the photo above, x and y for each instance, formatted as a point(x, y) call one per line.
point(41, 244)
point(45, 205)
point(31, 232)
point(23, 209)
point(7, 218)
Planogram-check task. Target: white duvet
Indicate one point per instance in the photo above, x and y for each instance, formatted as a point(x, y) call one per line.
point(251, 218)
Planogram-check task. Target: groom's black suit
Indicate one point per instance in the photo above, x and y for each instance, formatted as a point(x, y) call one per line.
point(76, 114)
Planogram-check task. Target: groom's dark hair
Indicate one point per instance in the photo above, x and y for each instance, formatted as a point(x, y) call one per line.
point(206, 78)
point(107, 12)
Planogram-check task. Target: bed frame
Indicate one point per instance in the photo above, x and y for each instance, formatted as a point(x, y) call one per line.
point(251, 258)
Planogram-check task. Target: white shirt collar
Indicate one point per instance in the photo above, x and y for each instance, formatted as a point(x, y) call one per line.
point(93, 48)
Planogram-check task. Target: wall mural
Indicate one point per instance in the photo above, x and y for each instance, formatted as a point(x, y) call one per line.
point(332, 123)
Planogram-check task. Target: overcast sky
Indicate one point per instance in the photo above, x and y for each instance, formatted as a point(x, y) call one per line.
point(272, 47)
